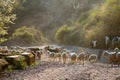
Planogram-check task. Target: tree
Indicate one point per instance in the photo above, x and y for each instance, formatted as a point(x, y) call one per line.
point(6, 17)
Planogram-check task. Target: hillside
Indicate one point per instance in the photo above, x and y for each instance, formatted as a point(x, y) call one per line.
point(47, 16)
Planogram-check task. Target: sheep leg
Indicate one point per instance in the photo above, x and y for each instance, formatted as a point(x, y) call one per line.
point(83, 62)
point(59, 59)
point(111, 63)
point(67, 61)
point(78, 61)
point(39, 56)
point(50, 59)
point(56, 59)
point(53, 59)
point(63, 61)
point(118, 64)
point(75, 61)
point(71, 61)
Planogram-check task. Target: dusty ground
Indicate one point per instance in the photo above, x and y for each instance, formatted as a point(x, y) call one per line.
point(46, 70)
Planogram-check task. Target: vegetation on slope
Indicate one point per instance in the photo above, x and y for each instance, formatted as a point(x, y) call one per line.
point(65, 22)
point(96, 24)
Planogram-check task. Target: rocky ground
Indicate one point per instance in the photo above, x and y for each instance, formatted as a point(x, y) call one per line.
point(46, 70)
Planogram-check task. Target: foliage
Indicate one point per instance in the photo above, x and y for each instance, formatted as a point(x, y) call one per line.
point(6, 16)
point(27, 34)
point(19, 64)
point(62, 33)
point(70, 25)
point(94, 24)
point(9, 68)
point(104, 21)
point(49, 15)
point(69, 35)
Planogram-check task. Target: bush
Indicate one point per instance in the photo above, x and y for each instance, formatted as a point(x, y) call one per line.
point(19, 64)
point(16, 65)
point(27, 35)
point(62, 34)
point(70, 35)
point(9, 68)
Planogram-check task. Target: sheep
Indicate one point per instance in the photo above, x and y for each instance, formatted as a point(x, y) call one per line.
point(81, 57)
point(34, 49)
point(39, 53)
point(58, 56)
point(93, 57)
point(107, 41)
point(113, 57)
point(94, 43)
point(64, 57)
point(73, 57)
point(114, 42)
point(118, 39)
point(51, 56)
point(53, 49)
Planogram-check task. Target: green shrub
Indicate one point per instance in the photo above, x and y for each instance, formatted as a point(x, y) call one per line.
point(16, 63)
point(19, 64)
point(9, 68)
point(27, 35)
point(62, 34)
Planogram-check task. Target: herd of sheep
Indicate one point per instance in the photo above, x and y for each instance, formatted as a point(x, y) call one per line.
point(110, 42)
point(62, 55)
point(66, 56)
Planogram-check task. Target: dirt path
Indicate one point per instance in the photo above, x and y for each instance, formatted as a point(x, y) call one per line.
point(55, 71)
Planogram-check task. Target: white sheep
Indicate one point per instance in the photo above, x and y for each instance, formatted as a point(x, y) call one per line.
point(94, 43)
point(107, 41)
point(65, 57)
point(81, 57)
point(73, 57)
point(51, 56)
point(93, 57)
point(115, 42)
point(58, 56)
point(39, 53)
point(112, 57)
